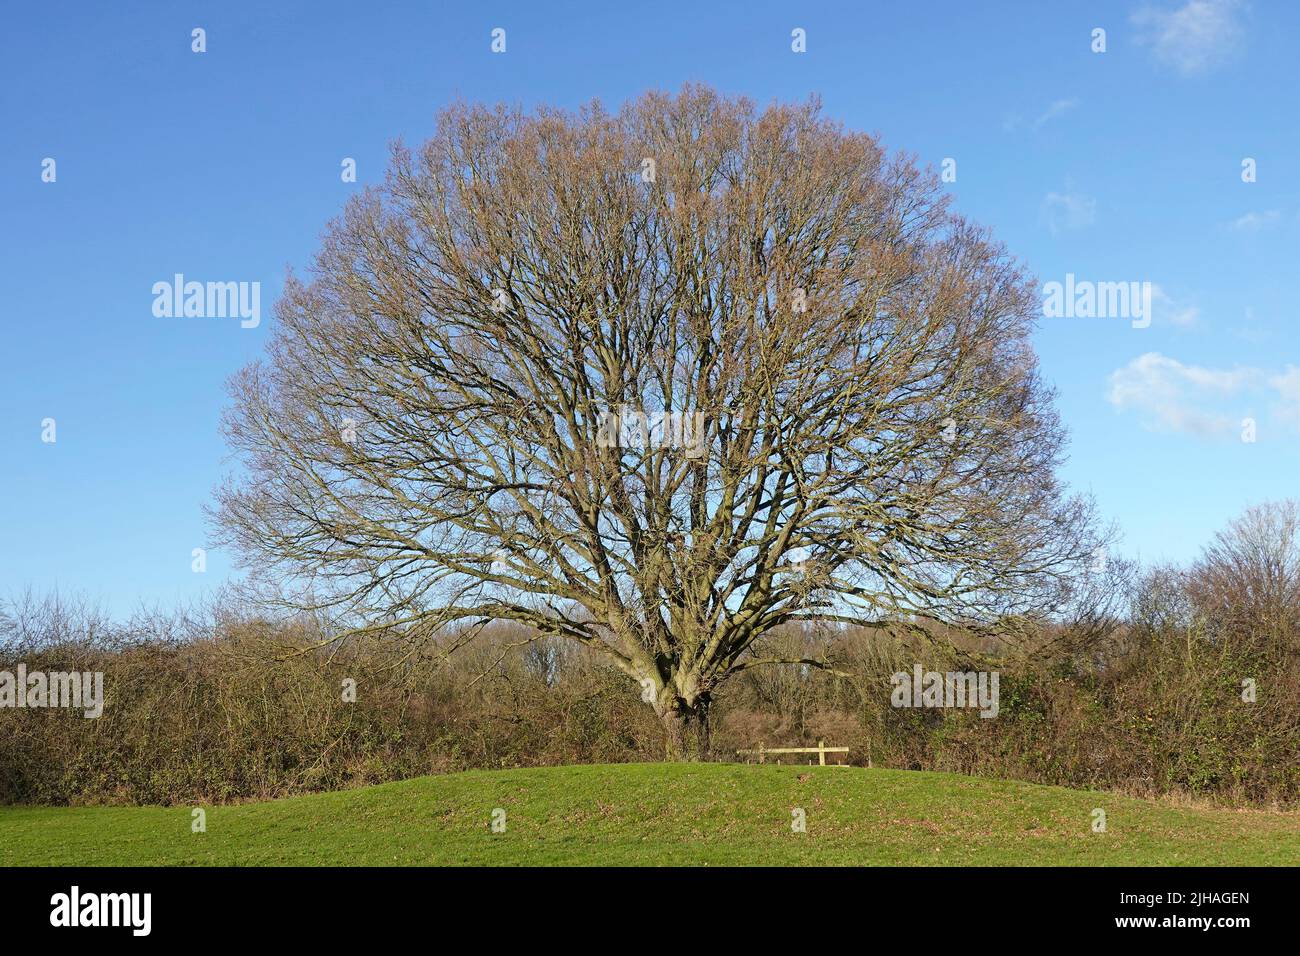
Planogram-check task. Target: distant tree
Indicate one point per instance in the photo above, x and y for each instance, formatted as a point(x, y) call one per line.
point(1246, 584)
point(461, 416)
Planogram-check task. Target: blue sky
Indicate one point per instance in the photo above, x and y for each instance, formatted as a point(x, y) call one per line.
point(224, 165)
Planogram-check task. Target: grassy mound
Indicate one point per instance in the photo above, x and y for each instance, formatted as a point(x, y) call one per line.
point(651, 814)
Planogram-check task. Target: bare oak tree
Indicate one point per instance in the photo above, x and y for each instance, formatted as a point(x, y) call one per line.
point(658, 382)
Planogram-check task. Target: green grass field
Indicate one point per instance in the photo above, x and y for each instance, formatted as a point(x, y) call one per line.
point(650, 814)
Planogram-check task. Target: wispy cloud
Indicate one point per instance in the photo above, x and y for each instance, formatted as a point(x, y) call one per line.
point(1068, 210)
point(1170, 311)
point(1251, 330)
point(1057, 109)
point(1255, 221)
point(1287, 386)
point(1193, 38)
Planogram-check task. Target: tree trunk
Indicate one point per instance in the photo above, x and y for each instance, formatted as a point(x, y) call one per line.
point(687, 730)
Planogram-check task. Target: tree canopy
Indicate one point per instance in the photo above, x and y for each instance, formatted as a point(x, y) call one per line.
point(658, 381)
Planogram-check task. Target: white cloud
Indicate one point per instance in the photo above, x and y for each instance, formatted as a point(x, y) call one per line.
point(1194, 38)
point(1170, 311)
point(1255, 221)
point(1069, 210)
point(1058, 108)
point(1171, 396)
point(1012, 122)
point(1287, 386)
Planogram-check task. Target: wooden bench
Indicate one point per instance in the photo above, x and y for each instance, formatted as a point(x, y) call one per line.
point(821, 750)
